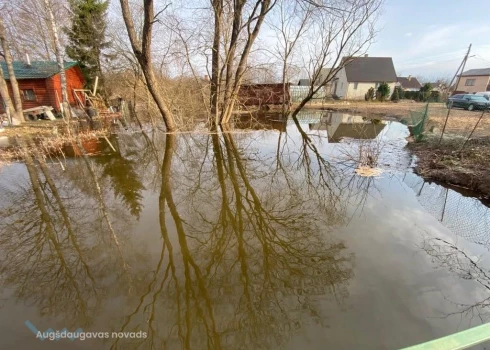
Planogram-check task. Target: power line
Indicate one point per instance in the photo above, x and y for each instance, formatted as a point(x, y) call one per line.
point(452, 54)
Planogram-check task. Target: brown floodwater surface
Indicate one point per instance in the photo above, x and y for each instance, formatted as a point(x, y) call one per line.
point(247, 238)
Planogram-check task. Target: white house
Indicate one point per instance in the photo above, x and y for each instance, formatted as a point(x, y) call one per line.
point(361, 73)
point(409, 83)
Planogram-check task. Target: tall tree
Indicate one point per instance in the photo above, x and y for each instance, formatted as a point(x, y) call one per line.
point(4, 93)
point(86, 37)
point(59, 58)
point(142, 50)
point(10, 68)
point(245, 18)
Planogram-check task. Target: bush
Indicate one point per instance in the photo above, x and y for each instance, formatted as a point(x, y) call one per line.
point(396, 94)
point(425, 92)
point(411, 95)
point(435, 96)
point(384, 91)
point(369, 96)
point(401, 93)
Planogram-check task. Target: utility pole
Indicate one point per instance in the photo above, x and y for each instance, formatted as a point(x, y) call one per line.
point(461, 67)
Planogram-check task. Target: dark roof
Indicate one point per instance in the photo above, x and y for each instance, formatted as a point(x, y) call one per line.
point(37, 69)
point(411, 83)
point(369, 132)
point(481, 71)
point(370, 69)
point(304, 82)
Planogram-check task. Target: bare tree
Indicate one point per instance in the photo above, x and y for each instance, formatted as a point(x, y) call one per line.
point(291, 22)
point(338, 34)
point(59, 59)
point(4, 92)
point(28, 22)
point(215, 59)
point(246, 18)
point(10, 68)
point(142, 51)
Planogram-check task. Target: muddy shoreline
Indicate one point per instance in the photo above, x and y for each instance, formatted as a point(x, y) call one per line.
point(446, 164)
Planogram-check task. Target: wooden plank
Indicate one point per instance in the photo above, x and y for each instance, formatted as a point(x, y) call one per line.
point(49, 114)
point(39, 108)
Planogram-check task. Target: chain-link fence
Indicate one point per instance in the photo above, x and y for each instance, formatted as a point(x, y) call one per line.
point(298, 93)
point(467, 217)
point(455, 125)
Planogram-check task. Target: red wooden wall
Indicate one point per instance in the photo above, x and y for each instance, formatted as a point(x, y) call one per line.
point(74, 80)
point(46, 89)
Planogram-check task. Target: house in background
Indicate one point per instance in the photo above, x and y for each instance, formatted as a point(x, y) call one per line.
point(304, 82)
point(474, 80)
point(361, 73)
point(439, 86)
point(321, 77)
point(409, 83)
point(40, 83)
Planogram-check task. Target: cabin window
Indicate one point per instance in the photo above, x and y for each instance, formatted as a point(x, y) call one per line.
point(29, 95)
point(355, 86)
point(470, 82)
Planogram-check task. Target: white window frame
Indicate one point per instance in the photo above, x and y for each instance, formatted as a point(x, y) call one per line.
point(25, 95)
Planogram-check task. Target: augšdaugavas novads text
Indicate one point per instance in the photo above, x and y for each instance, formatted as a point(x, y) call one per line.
point(64, 334)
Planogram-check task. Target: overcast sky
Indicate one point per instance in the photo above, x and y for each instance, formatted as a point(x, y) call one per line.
point(429, 38)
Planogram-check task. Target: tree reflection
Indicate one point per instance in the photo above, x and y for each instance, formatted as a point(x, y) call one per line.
point(244, 260)
point(124, 181)
point(447, 255)
point(56, 251)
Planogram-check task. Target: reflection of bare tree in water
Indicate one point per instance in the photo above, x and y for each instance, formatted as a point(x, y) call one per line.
point(55, 250)
point(244, 260)
point(448, 255)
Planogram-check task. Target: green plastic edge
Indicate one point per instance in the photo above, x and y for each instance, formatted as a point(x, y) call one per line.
point(456, 341)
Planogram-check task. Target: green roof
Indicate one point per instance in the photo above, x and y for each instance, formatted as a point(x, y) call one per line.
point(36, 70)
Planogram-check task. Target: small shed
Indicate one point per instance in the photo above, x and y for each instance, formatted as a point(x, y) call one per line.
point(40, 83)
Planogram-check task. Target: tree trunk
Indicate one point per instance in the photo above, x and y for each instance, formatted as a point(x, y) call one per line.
point(142, 51)
point(13, 81)
point(232, 89)
point(215, 76)
point(4, 92)
point(59, 59)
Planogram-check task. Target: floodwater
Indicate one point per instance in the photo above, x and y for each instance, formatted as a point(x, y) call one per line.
point(243, 239)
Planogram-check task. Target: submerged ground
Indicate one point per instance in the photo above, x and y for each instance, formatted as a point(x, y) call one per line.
point(241, 239)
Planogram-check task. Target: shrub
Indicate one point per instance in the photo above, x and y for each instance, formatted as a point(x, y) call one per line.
point(395, 96)
point(401, 93)
point(425, 92)
point(369, 96)
point(435, 96)
point(411, 95)
point(384, 91)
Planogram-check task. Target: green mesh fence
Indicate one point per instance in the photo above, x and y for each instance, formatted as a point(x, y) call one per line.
point(417, 121)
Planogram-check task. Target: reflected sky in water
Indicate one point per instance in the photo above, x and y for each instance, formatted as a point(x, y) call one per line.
point(238, 239)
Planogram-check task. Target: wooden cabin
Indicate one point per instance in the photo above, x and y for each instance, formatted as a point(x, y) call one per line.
point(40, 83)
